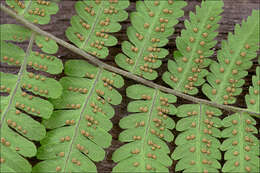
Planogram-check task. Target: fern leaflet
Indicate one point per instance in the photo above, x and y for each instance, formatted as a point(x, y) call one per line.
point(79, 127)
point(194, 44)
point(197, 146)
point(151, 25)
point(146, 131)
point(36, 11)
point(226, 77)
point(95, 19)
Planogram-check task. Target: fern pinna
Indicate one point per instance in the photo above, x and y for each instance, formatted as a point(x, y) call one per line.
point(194, 47)
point(79, 126)
point(152, 24)
point(147, 130)
point(20, 101)
point(95, 20)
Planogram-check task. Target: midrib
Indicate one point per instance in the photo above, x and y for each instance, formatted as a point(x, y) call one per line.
point(27, 8)
point(198, 140)
point(19, 79)
point(94, 25)
point(76, 131)
point(147, 37)
point(229, 68)
point(144, 142)
point(187, 69)
point(241, 139)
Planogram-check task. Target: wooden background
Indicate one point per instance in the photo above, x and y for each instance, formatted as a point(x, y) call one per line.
point(234, 12)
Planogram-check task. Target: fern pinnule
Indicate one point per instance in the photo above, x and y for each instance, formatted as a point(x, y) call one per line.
point(253, 98)
point(194, 47)
point(38, 12)
point(19, 33)
point(197, 144)
point(151, 25)
point(18, 106)
point(79, 126)
point(90, 29)
point(241, 146)
point(147, 130)
point(234, 58)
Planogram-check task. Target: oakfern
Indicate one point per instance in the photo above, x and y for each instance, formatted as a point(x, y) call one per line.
point(22, 94)
point(79, 126)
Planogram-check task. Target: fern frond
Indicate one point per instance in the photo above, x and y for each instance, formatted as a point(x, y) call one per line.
point(18, 107)
point(95, 19)
point(147, 130)
point(36, 11)
point(79, 126)
point(194, 47)
point(151, 25)
point(241, 146)
point(234, 58)
point(197, 145)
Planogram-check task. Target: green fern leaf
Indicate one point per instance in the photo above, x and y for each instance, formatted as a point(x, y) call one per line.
point(151, 25)
point(241, 146)
point(36, 11)
point(226, 77)
point(18, 33)
point(147, 130)
point(95, 19)
point(79, 126)
point(18, 107)
point(197, 145)
point(194, 47)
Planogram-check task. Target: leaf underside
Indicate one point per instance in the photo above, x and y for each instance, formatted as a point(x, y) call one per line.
point(36, 11)
point(197, 144)
point(147, 130)
point(241, 146)
point(152, 24)
point(79, 126)
point(19, 100)
point(94, 21)
point(234, 59)
point(194, 46)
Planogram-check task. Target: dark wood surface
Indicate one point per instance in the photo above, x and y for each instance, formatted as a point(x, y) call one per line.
point(234, 12)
